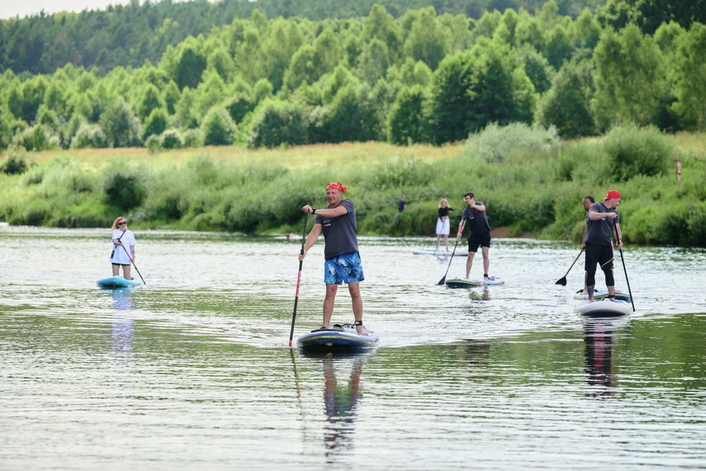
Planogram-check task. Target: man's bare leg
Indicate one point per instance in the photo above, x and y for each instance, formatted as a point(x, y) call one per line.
point(469, 263)
point(486, 259)
point(328, 303)
point(357, 302)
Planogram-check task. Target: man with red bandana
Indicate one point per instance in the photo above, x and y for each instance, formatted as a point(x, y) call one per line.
point(601, 219)
point(342, 260)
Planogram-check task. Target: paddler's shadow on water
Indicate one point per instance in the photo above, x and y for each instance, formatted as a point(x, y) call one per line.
point(598, 366)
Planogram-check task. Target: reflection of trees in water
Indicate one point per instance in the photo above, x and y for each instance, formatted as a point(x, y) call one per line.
point(599, 355)
point(123, 326)
point(341, 401)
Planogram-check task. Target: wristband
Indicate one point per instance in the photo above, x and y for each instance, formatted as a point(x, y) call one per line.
point(313, 210)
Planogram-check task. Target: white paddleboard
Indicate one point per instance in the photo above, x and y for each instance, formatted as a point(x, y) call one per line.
point(441, 252)
point(466, 283)
point(603, 308)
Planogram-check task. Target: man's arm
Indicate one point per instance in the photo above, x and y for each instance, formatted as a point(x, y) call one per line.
point(478, 206)
point(595, 215)
point(338, 211)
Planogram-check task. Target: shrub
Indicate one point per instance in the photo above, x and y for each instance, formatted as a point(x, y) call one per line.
point(122, 188)
point(152, 143)
point(634, 150)
point(89, 136)
point(495, 143)
point(193, 138)
point(218, 128)
point(171, 139)
point(36, 138)
point(14, 164)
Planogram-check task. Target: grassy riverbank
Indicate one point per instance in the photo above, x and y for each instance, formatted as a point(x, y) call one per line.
point(530, 182)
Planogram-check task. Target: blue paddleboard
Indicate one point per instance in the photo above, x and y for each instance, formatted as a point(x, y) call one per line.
point(117, 282)
point(341, 338)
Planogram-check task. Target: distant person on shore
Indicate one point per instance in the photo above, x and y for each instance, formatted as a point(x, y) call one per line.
point(443, 224)
point(601, 219)
point(123, 248)
point(477, 219)
point(678, 170)
point(342, 261)
point(401, 204)
point(588, 200)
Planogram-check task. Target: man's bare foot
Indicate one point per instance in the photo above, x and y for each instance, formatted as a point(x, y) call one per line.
point(361, 330)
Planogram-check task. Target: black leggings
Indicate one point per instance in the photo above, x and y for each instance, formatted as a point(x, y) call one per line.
point(599, 255)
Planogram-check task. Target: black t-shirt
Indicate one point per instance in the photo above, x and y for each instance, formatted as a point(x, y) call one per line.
point(477, 220)
point(444, 211)
point(400, 205)
point(340, 233)
point(600, 232)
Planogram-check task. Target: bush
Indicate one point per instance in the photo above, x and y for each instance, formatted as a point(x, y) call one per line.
point(218, 128)
point(171, 139)
point(37, 138)
point(193, 138)
point(495, 143)
point(634, 150)
point(152, 143)
point(89, 136)
point(123, 189)
point(275, 122)
point(14, 164)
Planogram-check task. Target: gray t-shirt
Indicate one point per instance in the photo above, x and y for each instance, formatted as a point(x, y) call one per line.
point(341, 233)
point(600, 231)
point(477, 220)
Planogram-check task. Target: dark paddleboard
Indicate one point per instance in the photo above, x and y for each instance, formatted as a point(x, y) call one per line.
point(343, 338)
point(465, 283)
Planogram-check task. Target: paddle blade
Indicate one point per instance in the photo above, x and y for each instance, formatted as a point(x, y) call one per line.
point(443, 280)
point(561, 282)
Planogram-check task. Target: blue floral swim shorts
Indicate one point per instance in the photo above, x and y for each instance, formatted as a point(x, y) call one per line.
point(344, 268)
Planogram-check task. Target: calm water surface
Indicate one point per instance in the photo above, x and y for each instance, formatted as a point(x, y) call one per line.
point(192, 371)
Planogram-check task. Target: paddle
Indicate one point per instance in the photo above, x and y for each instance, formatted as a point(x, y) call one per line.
point(624, 269)
point(299, 280)
point(133, 264)
point(443, 280)
point(562, 280)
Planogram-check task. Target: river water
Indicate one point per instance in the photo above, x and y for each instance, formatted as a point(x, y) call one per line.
point(192, 371)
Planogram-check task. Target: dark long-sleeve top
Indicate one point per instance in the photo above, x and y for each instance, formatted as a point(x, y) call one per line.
point(444, 211)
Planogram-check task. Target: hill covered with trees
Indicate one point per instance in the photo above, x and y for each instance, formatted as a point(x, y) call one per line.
point(421, 77)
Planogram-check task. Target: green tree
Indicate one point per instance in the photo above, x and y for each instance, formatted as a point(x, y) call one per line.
point(261, 91)
point(277, 122)
point(450, 101)
point(171, 96)
point(566, 105)
point(558, 47)
point(238, 106)
point(427, 40)
point(156, 123)
point(150, 99)
point(189, 68)
point(536, 67)
point(33, 91)
point(120, 125)
point(629, 78)
point(219, 61)
point(690, 73)
point(407, 121)
point(218, 128)
point(302, 68)
point(373, 61)
point(351, 117)
point(340, 78)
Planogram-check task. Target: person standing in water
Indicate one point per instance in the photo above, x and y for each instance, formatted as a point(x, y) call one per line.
point(477, 219)
point(678, 171)
point(342, 261)
point(123, 248)
point(601, 219)
point(588, 200)
point(443, 224)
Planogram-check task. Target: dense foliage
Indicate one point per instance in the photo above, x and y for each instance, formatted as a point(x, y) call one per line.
point(418, 78)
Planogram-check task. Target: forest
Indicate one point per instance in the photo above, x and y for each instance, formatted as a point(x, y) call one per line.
point(421, 77)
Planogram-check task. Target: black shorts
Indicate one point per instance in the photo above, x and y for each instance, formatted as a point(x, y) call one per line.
point(482, 240)
point(121, 265)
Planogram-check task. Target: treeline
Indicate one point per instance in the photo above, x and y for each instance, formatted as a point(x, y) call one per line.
point(419, 78)
point(131, 34)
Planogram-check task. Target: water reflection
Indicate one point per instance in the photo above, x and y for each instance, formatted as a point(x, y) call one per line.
point(476, 351)
point(481, 295)
point(598, 336)
point(341, 401)
point(123, 325)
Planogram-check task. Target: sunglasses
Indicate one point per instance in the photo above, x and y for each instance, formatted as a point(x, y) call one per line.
point(121, 223)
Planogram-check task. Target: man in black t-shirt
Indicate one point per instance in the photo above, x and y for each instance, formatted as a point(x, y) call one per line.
point(477, 219)
point(342, 261)
point(601, 219)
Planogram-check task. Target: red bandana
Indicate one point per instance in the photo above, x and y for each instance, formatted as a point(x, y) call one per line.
point(336, 186)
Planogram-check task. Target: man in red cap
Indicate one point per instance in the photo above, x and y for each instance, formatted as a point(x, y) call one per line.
point(342, 260)
point(600, 220)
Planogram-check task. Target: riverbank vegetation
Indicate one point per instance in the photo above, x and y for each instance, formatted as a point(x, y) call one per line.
point(529, 179)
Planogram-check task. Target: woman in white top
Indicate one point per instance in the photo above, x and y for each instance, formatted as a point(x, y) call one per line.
point(443, 225)
point(123, 248)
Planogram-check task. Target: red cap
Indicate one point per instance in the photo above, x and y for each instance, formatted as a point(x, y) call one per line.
point(612, 194)
point(336, 186)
